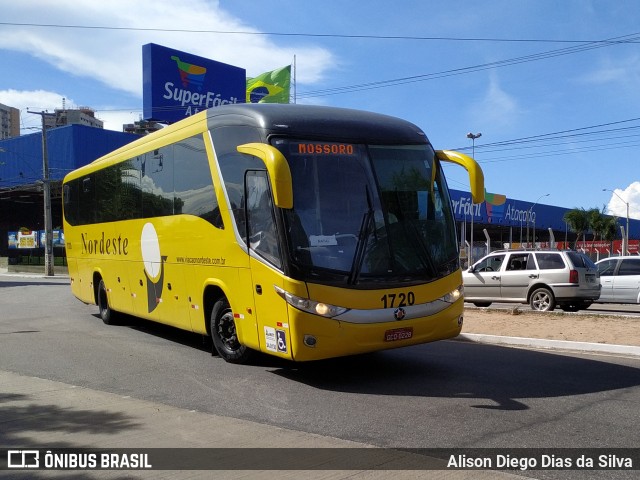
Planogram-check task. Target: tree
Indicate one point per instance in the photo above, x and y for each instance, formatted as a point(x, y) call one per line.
point(610, 228)
point(578, 221)
point(603, 226)
point(597, 222)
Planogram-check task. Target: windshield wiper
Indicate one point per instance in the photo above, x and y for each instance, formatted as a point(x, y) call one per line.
point(414, 235)
point(363, 240)
point(423, 253)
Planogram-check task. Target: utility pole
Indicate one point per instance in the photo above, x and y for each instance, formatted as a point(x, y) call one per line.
point(46, 190)
point(473, 137)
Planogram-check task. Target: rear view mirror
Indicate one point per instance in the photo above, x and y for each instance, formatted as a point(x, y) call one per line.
point(278, 168)
point(476, 177)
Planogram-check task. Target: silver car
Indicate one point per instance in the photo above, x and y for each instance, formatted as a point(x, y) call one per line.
point(543, 279)
point(620, 280)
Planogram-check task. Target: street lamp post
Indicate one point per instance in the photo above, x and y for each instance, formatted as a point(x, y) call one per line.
point(473, 137)
point(625, 247)
point(529, 217)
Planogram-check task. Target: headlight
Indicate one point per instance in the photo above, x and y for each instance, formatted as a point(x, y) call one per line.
point(310, 306)
point(454, 295)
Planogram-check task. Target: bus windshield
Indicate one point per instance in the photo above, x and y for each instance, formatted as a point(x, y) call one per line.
point(368, 213)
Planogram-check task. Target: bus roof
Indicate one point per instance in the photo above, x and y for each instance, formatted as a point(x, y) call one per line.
point(302, 121)
point(314, 121)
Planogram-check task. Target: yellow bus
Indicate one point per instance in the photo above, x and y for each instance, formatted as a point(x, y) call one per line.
point(306, 232)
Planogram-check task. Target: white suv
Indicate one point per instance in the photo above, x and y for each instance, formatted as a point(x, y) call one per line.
point(543, 279)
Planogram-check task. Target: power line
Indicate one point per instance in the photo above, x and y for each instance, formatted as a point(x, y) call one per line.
point(299, 34)
point(559, 134)
point(624, 39)
point(584, 45)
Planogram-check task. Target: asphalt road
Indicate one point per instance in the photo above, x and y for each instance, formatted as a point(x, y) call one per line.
point(445, 394)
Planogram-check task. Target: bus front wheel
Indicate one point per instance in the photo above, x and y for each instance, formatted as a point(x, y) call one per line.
point(224, 335)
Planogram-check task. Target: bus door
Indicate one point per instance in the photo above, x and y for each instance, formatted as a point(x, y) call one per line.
point(265, 261)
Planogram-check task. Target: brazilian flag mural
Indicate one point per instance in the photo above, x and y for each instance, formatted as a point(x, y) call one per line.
point(270, 87)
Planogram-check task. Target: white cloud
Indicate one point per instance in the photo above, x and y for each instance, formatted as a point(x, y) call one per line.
point(497, 108)
point(609, 70)
point(35, 100)
point(631, 195)
point(114, 57)
point(115, 119)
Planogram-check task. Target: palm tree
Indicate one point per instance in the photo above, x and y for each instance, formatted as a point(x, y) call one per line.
point(610, 228)
point(596, 222)
point(578, 221)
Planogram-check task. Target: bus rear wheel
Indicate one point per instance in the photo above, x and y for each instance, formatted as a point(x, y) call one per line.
point(224, 335)
point(107, 315)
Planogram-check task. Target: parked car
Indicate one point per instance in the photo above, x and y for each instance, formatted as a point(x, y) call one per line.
point(620, 280)
point(543, 279)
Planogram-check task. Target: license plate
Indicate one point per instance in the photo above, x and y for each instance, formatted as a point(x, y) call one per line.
point(396, 334)
point(591, 278)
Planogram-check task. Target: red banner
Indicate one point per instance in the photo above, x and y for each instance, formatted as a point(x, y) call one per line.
point(602, 246)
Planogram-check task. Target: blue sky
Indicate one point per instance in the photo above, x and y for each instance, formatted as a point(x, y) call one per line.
point(552, 86)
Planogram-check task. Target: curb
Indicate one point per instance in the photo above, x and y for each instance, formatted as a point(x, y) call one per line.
point(64, 276)
point(583, 347)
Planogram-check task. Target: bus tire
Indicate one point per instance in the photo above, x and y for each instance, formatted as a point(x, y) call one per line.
point(107, 315)
point(224, 335)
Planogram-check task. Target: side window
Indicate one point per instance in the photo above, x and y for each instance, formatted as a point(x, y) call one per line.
point(129, 199)
point(193, 193)
point(106, 185)
point(531, 263)
point(260, 217)
point(171, 180)
point(629, 266)
point(70, 196)
point(580, 260)
point(157, 182)
point(550, 261)
point(234, 164)
point(519, 261)
point(490, 264)
point(87, 200)
point(607, 268)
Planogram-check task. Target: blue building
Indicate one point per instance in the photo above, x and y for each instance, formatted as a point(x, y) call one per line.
point(21, 173)
point(514, 223)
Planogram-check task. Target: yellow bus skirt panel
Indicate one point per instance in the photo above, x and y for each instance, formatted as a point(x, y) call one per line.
point(314, 337)
point(76, 282)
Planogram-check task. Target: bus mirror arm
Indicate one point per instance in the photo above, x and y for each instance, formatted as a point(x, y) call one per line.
point(278, 169)
point(476, 177)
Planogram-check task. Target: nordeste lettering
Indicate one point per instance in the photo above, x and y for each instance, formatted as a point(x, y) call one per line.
point(105, 245)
